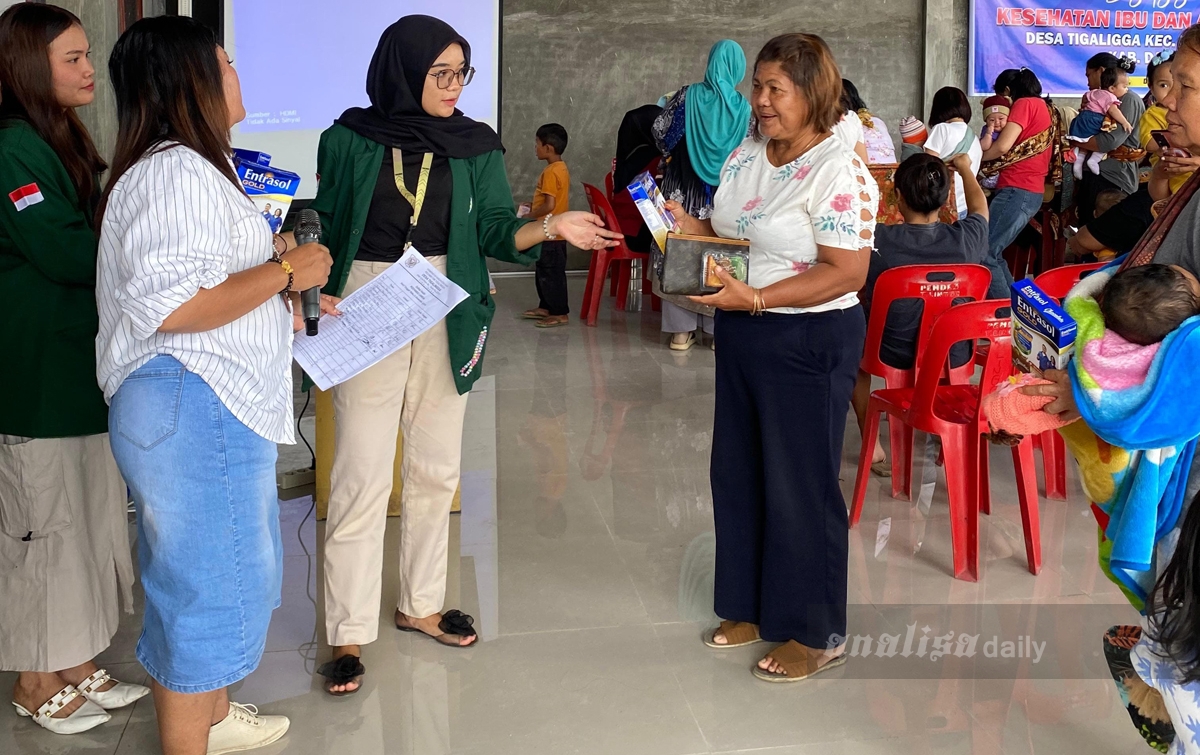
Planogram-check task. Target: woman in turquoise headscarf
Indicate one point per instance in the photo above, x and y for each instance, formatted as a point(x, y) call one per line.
point(700, 126)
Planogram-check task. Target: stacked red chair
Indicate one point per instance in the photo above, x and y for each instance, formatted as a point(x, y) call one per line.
point(603, 259)
point(938, 286)
point(951, 411)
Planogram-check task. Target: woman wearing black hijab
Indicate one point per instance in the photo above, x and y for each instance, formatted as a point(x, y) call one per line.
point(412, 170)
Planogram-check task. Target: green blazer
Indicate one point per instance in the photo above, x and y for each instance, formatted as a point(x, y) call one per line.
point(48, 285)
point(483, 222)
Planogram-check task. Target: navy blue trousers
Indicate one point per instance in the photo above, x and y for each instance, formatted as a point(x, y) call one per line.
point(782, 395)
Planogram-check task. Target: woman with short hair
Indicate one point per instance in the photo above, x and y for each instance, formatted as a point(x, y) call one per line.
point(950, 134)
point(194, 356)
point(791, 340)
point(65, 564)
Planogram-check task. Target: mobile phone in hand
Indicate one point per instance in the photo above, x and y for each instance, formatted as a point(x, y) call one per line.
point(1163, 140)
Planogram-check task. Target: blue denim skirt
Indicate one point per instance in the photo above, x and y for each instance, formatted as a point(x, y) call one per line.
point(208, 527)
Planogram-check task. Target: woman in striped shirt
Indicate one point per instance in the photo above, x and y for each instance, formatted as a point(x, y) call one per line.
point(194, 356)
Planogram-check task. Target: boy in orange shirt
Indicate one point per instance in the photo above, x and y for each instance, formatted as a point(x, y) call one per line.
point(551, 198)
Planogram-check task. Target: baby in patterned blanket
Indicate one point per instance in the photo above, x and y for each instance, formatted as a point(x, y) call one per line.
point(1141, 306)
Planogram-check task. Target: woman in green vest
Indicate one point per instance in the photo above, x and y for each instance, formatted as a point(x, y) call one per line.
point(65, 562)
point(413, 171)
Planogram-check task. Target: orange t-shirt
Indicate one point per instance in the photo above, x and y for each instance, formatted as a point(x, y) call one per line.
point(555, 181)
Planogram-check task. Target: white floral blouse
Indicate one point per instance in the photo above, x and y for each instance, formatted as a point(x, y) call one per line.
point(824, 197)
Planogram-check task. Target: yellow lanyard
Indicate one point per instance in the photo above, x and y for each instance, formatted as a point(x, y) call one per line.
point(418, 200)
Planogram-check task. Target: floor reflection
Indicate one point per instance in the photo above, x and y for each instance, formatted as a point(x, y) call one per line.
point(585, 551)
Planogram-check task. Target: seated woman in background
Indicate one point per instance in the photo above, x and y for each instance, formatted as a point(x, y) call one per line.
point(950, 136)
point(1118, 230)
point(698, 128)
point(876, 142)
point(923, 183)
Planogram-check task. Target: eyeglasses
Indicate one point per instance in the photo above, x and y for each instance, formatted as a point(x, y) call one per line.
point(444, 77)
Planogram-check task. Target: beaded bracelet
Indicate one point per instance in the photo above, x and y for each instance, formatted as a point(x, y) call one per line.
point(287, 268)
point(546, 228)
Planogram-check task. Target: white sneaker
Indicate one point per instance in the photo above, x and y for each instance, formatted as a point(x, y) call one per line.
point(244, 729)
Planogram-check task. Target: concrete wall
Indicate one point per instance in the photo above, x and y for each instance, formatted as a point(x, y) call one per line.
point(584, 63)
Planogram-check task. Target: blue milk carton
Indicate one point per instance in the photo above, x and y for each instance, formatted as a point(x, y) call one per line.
point(1043, 334)
point(271, 189)
point(652, 205)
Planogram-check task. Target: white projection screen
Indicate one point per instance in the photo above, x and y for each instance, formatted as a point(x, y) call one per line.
point(303, 62)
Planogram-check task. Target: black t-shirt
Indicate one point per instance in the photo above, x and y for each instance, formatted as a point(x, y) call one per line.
point(390, 215)
point(937, 244)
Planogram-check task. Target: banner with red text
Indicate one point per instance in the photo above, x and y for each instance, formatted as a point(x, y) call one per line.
point(1056, 39)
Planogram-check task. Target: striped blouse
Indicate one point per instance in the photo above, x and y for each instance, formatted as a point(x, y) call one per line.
point(174, 225)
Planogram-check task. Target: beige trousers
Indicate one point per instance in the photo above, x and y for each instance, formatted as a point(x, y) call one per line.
point(65, 562)
point(412, 389)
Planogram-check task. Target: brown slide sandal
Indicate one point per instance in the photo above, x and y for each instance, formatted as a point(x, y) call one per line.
point(737, 634)
point(797, 663)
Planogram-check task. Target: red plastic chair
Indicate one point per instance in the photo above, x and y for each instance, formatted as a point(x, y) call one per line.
point(951, 411)
point(602, 259)
point(937, 286)
point(1058, 283)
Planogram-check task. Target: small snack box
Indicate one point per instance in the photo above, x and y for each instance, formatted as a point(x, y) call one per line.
point(1043, 334)
point(652, 205)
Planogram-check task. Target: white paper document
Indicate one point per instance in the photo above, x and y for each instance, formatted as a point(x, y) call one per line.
point(377, 320)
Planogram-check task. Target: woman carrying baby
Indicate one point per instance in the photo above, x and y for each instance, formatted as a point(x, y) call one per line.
point(1167, 658)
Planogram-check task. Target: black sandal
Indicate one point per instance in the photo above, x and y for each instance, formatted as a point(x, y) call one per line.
point(453, 624)
point(345, 670)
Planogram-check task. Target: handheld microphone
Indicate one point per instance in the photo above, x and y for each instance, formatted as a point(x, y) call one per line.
point(308, 231)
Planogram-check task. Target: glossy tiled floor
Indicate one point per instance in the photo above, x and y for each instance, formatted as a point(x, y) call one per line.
point(585, 551)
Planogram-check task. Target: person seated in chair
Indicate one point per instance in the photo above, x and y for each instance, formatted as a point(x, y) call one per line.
point(923, 185)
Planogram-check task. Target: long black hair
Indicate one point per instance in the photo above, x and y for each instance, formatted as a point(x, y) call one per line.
point(169, 87)
point(1104, 60)
point(852, 101)
point(1004, 81)
point(27, 92)
point(1173, 608)
point(1025, 84)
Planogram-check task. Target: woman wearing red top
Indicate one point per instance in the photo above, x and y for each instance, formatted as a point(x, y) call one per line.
point(1022, 185)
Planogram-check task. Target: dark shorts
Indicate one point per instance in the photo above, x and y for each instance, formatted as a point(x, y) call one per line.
point(1120, 228)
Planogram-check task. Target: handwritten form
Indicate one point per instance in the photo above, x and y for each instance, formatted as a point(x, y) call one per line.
point(377, 320)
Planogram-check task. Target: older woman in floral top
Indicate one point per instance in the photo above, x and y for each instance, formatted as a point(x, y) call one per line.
point(791, 341)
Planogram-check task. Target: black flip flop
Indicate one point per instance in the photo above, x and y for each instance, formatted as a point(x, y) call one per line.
point(345, 670)
point(453, 624)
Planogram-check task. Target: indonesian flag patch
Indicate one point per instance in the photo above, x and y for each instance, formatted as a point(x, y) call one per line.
point(26, 196)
